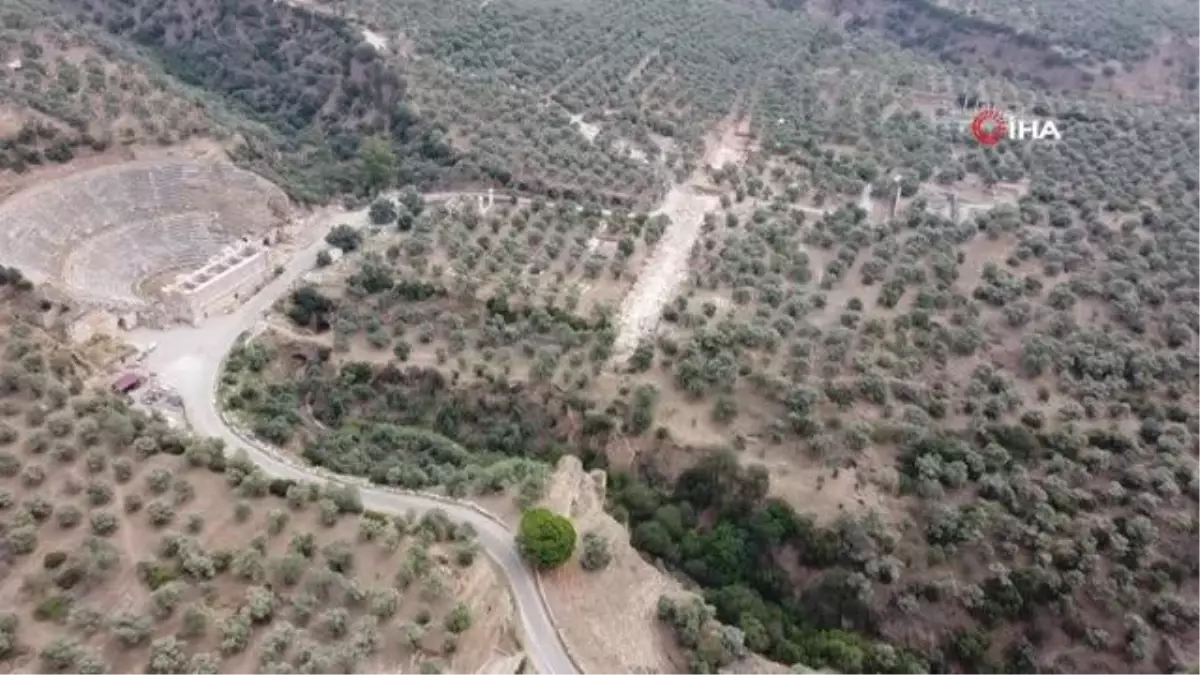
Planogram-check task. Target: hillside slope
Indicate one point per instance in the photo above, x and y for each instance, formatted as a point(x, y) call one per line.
point(132, 547)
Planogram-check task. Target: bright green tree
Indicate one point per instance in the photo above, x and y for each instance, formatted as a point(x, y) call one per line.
point(546, 538)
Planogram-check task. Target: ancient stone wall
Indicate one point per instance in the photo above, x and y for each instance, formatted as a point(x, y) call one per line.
point(226, 279)
point(100, 235)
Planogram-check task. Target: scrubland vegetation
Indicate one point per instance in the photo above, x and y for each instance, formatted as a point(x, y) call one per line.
point(514, 305)
point(73, 93)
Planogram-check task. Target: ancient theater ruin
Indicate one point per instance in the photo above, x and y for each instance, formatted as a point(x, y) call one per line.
point(146, 242)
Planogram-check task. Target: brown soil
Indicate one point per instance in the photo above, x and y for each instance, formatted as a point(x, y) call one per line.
point(491, 635)
point(31, 586)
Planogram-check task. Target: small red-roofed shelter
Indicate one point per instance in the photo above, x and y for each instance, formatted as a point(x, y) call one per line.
point(127, 383)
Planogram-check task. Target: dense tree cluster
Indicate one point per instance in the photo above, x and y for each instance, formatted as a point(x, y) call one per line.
point(742, 555)
point(103, 95)
point(712, 646)
point(319, 92)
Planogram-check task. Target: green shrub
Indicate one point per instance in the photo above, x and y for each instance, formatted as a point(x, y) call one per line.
point(54, 608)
point(546, 538)
point(596, 554)
point(459, 619)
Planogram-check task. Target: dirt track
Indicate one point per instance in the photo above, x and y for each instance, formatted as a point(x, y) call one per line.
point(666, 269)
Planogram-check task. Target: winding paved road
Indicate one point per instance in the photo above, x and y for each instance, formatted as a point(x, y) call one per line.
point(189, 361)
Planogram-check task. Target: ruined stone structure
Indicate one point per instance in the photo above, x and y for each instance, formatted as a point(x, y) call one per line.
point(894, 205)
point(229, 277)
point(486, 203)
point(109, 237)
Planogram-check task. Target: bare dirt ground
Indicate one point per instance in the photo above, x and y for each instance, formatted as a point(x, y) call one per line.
point(827, 493)
point(24, 584)
point(666, 267)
